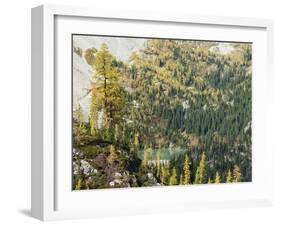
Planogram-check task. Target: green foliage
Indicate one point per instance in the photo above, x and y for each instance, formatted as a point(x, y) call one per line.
point(107, 94)
point(136, 142)
point(112, 156)
point(78, 185)
point(79, 127)
point(210, 181)
point(145, 157)
point(217, 178)
point(165, 174)
point(158, 164)
point(200, 177)
point(181, 180)
point(116, 133)
point(186, 171)
point(236, 174)
point(173, 178)
point(156, 113)
point(229, 177)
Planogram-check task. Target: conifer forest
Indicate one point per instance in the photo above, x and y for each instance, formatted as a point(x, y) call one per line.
point(160, 112)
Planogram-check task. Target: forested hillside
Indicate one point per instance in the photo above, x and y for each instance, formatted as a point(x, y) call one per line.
point(177, 112)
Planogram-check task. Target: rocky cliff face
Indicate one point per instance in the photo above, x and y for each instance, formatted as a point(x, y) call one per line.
point(82, 73)
point(119, 47)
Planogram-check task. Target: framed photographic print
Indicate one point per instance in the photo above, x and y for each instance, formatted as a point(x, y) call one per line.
point(137, 113)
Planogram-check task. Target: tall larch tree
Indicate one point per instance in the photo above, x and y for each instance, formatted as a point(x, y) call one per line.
point(200, 177)
point(228, 176)
point(165, 174)
point(217, 178)
point(108, 97)
point(186, 171)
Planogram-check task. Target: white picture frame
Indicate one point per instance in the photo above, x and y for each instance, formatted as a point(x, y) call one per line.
point(51, 200)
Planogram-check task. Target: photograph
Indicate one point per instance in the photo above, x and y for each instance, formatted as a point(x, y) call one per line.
point(152, 111)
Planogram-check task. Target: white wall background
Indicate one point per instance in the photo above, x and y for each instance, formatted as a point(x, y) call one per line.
point(15, 111)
